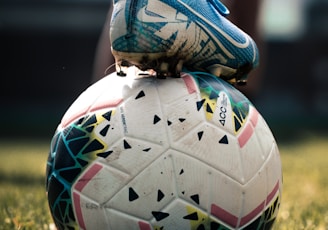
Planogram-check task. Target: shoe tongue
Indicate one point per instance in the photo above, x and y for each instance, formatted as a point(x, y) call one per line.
point(219, 6)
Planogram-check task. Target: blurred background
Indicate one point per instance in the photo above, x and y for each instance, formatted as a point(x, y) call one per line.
point(47, 50)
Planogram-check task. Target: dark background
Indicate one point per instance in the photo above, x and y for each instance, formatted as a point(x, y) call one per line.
point(47, 49)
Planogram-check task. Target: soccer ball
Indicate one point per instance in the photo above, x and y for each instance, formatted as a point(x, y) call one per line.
point(138, 152)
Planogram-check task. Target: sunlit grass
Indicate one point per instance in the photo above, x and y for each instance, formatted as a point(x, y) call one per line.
point(23, 202)
point(305, 193)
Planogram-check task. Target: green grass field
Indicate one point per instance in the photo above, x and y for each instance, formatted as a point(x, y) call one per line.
point(23, 203)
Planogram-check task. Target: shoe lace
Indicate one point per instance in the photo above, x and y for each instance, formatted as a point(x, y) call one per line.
point(219, 6)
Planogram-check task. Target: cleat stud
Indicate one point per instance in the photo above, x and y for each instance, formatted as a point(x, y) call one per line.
point(121, 74)
point(119, 70)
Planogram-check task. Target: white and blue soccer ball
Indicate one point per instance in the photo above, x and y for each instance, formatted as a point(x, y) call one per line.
point(138, 152)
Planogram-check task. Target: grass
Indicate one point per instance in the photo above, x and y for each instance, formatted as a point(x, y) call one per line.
point(305, 192)
point(23, 203)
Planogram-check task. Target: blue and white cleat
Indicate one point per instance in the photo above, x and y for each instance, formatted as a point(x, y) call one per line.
point(165, 35)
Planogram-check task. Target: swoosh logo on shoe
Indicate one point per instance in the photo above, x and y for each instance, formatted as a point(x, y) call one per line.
point(225, 35)
point(144, 16)
point(157, 11)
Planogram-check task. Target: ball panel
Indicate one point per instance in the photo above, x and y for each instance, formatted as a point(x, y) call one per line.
point(121, 220)
point(254, 197)
point(131, 155)
point(226, 198)
point(150, 191)
point(182, 116)
point(186, 169)
point(88, 213)
point(214, 147)
point(105, 180)
point(142, 116)
point(176, 88)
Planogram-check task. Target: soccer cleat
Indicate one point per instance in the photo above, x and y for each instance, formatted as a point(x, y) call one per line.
point(165, 35)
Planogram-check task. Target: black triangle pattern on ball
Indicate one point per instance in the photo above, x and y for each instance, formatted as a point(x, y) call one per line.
point(140, 95)
point(200, 104)
point(160, 215)
point(104, 154)
point(90, 129)
point(83, 163)
point(126, 144)
point(104, 131)
point(156, 119)
point(94, 145)
point(133, 195)
point(108, 115)
point(182, 119)
point(208, 108)
point(76, 145)
point(146, 150)
point(201, 227)
point(192, 216)
point(195, 198)
point(81, 120)
point(224, 140)
point(160, 195)
point(72, 149)
point(213, 95)
point(63, 158)
point(73, 133)
point(70, 175)
point(90, 121)
point(200, 135)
